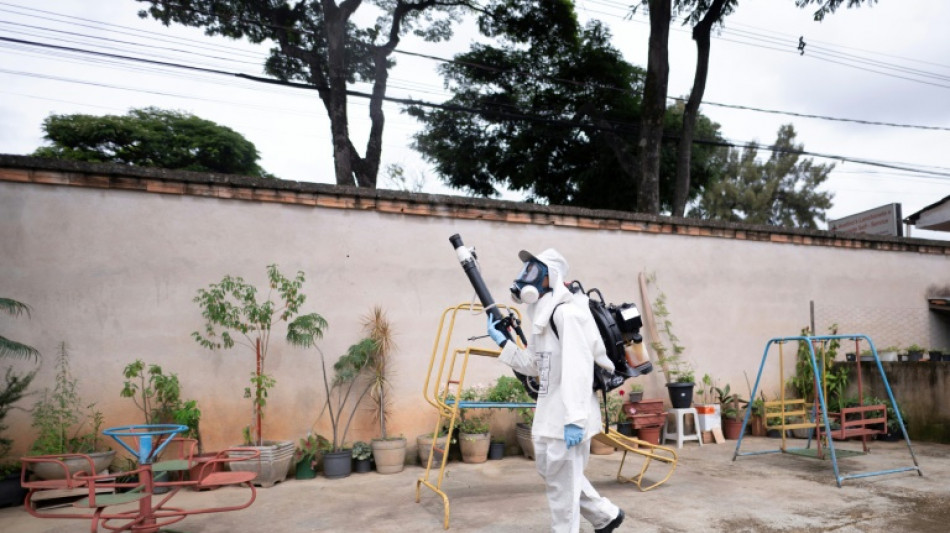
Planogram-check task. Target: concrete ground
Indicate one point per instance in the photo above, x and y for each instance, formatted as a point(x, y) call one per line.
point(707, 492)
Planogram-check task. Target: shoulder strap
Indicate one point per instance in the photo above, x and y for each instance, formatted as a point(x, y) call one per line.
point(553, 326)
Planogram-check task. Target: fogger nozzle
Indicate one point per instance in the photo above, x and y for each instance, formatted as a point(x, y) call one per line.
point(467, 258)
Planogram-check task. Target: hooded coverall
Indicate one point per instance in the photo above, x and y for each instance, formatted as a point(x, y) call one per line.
point(563, 363)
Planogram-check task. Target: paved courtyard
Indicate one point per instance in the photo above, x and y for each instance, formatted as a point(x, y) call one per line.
point(708, 492)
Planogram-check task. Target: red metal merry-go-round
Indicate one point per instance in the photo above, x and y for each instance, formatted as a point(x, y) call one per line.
point(111, 500)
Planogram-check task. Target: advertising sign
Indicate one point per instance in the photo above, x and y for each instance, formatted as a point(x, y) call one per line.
point(884, 220)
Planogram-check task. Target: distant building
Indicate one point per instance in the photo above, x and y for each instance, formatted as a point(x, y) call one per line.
point(934, 217)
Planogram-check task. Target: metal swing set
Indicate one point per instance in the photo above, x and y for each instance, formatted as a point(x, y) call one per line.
point(447, 385)
point(861, 421)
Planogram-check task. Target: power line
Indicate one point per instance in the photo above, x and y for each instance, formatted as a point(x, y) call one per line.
point(788, 43)
point(458, 108)
point(707, 102)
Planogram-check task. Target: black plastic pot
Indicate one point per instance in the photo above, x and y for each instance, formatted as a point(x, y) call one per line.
point(361, 466)
point(625, 428)
point(681, 394)
point(11, 493)
point(496, 450)
point(338, 465)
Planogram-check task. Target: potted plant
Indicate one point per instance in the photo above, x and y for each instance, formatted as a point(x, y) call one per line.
point(496, 450)
point(757, 418)
point(636, 393)
point(474, 435)
point(624, 426)
point(680, 378)
point(389, 452)
point(362, 457)
point(915, 352)
point(936, 354)
point(731, 406)
point(234, 315)
point(60, 419)
point(508, 389)
point(803, 381)
point(337, 463)
point(424, 445)
point(708, 409)
point(613, 410)
point(893, 425)
point(889, 353)
point(159, 398)
point(940, 354)
point(307, 455)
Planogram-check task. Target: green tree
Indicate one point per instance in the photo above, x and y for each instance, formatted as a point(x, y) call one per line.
point(233, 314)
point(317, 43)
point(151, 137)
point(826, 7)
point(551, 111)
point(782, 191)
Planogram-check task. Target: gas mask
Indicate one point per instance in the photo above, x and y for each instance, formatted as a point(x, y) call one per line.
point(529, 285)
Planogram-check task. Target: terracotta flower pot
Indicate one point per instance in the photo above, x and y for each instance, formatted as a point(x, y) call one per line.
point(523, 432)
point(599, 448)
point(649, 434)
point(424, 445)
point(474, 447)
point(389, 454)
point(731, 428)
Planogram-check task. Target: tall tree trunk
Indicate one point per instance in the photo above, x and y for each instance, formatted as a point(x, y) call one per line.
point(701, 34)
point(654, 107)
point(343, 156)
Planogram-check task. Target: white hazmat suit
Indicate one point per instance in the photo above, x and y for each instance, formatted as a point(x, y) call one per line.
point(563, 363)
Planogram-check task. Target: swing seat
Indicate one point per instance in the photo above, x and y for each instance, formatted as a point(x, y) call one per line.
point(778, 412)
point(854, 422)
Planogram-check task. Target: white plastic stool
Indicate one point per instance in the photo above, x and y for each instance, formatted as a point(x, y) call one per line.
point(679, 435)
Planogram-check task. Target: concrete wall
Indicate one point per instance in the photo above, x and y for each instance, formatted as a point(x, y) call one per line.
point(110, 258)
point(920, 389)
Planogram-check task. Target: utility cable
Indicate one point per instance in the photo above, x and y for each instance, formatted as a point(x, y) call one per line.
point(671, 98)
point(484, 112)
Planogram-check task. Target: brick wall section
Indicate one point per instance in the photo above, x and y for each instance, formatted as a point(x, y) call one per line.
point(225, 186)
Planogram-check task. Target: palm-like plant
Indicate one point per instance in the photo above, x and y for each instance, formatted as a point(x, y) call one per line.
point(14, 386)
point(380, 331)
point(9, 347)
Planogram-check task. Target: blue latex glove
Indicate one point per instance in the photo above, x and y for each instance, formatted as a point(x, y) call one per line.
point(496, 335)
point(573, 435)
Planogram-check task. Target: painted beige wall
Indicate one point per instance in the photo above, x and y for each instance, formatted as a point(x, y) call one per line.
point(113, 273)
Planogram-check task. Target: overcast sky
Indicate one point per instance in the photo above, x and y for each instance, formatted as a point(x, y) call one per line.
point(889, 63)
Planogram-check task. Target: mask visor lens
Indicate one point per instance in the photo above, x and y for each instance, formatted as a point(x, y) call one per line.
point(531, 274)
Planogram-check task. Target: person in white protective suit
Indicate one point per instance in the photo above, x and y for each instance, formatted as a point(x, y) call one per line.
point(567, 414)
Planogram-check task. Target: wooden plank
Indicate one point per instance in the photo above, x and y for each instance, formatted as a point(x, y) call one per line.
point(803, 425)
point(718, 436)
